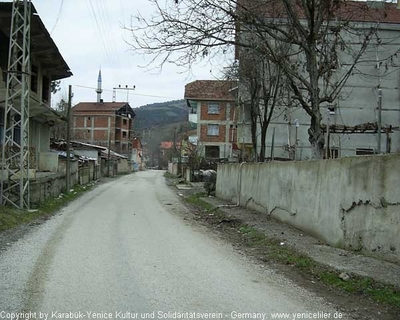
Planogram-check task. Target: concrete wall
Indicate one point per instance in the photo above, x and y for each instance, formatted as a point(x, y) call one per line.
point(48, 162)
point(62, 166)
point(109, 168)
point(124, 166)
point(351, 202)
point(52, 186)
point(173, 168)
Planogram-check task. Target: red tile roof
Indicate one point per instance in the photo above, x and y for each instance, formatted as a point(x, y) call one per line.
point(169, 145)
point(94, 106)
point(215, 90)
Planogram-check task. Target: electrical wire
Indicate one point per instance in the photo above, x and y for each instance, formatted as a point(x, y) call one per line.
point(58, 17)
point(133, 93)
point(106, 26)
point(104, 42)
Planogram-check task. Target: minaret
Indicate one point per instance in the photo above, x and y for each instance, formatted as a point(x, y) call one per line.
point(99, 90)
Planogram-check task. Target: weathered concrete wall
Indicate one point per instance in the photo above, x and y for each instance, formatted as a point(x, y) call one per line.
point(350, 202)
point(124, 166)
point(84, 175)
point(48, 162)
point(173, 168)
point(109, 168)
point(51, 186)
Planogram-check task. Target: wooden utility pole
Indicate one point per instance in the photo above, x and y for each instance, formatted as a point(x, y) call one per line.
point(68, 169)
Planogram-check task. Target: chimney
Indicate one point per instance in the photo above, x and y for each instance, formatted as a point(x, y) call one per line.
point(99, 90)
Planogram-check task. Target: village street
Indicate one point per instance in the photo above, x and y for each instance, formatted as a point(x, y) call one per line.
point(122, 249)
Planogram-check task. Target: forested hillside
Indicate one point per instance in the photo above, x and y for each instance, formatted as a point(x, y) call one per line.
point(160, 114)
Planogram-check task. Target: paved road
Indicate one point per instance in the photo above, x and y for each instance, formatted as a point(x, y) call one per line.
point(122, 249)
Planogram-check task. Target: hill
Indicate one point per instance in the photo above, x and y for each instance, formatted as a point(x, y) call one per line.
point(160, 114)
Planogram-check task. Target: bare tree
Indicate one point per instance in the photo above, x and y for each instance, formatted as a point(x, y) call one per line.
point(59, 130)
point(319, 33)
point(265, 90)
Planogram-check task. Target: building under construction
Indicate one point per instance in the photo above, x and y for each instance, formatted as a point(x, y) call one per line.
point(29, 62)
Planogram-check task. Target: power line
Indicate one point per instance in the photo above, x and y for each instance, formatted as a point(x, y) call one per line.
point(58, 16)
point(107, 27)
point(100, 34)
point(135, 94)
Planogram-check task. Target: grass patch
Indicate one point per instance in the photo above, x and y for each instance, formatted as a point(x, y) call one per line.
point(359, 285)
point(11, 217)
point(253, 237)
point(196, 200)
point(273, 250)
point(169, 175)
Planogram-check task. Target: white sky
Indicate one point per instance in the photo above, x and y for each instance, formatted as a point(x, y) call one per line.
point(75, 32)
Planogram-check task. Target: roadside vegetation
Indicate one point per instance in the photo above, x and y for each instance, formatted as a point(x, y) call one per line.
point(271, 250)
point(11, 217)
point(168, 175)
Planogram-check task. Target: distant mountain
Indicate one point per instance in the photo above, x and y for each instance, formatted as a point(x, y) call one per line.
point(160, 114)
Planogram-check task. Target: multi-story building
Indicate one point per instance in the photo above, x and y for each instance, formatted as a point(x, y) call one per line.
point(108, 124)
point(213, 109)
point(364, 117)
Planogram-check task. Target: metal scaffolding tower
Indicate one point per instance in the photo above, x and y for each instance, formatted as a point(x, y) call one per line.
point(15, 150)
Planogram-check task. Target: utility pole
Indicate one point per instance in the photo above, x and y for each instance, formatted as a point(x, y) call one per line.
point(273, 144)
point(68, 169)
point(327, 153)
point(379, 119)
point(15, 150)
point(109, 150)
point(297, 124)
point(122, 88)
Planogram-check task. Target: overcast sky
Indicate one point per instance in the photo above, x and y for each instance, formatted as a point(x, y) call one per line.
point(87, 45)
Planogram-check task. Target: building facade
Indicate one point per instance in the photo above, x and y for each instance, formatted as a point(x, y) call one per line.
point(213, 108)
point(364, 118)
point(108, 124)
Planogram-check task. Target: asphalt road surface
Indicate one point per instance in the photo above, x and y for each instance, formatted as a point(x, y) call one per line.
point(121, 251)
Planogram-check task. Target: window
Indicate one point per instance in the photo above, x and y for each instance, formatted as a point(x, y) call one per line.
point(364, 151)
point(34, 79)
point(46, 89)
point(213, 108)
point(212, 151)
point(333, 153)
point(123, 134)
point(124, 122)
point(213, 130)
